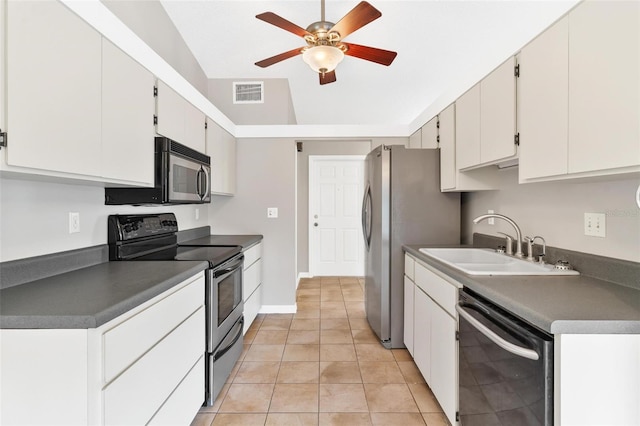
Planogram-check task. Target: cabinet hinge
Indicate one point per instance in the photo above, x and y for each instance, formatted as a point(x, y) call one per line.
point(516, 70)
point(155, 91)
point(438, 138)
point(206, 125)
point(438, 124)
point(457, 335)
point(457, 416)
point(516, 139)
point(155, 120)
point(3, 139)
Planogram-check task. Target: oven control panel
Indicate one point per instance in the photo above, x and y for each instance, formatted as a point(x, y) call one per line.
point(130, 227)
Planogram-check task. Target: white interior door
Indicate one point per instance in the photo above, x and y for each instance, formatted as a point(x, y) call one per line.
point(336, 185)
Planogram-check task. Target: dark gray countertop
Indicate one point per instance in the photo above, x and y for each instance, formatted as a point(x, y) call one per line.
point(91, 296)
point(556, 304)
point(246, 241)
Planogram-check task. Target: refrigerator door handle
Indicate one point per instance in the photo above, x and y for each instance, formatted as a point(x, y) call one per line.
point(366, 216)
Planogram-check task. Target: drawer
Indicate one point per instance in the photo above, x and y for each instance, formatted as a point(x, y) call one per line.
point(183, 404)
point(140, 391)
point(251, 308)
point(440, 290)
point(409, 267)
point(252, 254)
point(251, 279)
point(129, 340)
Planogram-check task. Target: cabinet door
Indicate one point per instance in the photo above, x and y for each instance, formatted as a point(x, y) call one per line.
point(423, 308)
point(170, 109)
point(127, 132)
point(498, 113)
point(221, 147)
point(430, 133)
point(444, 361)
point(415, 140)
point(53, 80)
point(543, 103)
point(604, 86)
point(194, 128)
point(408, 313)
point(468, 128)
point(448, 148)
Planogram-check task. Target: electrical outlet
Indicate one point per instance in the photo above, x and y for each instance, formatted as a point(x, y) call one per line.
point(595, 224)
point(74, 222)
point(272, 212)
point(491, 220)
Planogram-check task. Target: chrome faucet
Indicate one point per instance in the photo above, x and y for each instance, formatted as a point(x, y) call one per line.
point(518, 252)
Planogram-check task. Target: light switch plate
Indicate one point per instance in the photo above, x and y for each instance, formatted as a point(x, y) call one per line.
point(74, 222)
point(595, 224)
point(272, 212)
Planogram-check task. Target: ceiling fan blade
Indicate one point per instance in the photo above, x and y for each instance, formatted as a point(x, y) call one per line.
point(281, 57)
point(327, 77)
point(357, 18)
point(280, 22)
point(380, 56)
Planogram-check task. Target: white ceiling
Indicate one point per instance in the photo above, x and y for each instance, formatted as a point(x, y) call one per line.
point(444, 46)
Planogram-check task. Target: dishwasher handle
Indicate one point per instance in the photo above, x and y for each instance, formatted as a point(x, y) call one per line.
point(507, 346)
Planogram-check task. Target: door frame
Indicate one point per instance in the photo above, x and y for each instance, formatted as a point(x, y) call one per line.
point(313, 161)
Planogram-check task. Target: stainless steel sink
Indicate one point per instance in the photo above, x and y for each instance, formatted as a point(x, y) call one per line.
point(475, 261)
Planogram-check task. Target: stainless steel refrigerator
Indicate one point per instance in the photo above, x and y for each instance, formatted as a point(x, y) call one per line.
point(402, 205)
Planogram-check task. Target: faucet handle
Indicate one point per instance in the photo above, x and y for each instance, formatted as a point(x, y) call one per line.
point(529, 242)
point(509, 242)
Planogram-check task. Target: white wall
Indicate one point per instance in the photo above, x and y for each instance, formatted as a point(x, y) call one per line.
point(34, 217)
point(265, 178)
point(555, 210)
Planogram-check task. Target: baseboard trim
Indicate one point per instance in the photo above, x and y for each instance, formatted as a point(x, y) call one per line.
point(302, 275)
point(278, 309)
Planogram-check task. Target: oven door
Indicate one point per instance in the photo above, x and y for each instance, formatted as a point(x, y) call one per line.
point(188, 180)
point(223, 300)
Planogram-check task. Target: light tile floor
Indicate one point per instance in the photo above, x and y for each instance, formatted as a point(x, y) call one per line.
point(322, 366)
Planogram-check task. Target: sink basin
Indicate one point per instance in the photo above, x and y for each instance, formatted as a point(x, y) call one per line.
point(475, 261)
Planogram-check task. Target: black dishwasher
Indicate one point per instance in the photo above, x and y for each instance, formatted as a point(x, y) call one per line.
point(505, 367)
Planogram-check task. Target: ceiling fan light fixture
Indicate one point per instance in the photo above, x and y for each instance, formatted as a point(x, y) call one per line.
point(323, 59)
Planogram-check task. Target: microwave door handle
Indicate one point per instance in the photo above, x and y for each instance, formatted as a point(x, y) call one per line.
point(207, 182)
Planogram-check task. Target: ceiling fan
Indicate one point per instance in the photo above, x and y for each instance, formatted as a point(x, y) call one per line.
point(325, 48)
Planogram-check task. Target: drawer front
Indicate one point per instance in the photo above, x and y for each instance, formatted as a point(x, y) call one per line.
point(183, 405)
point(140, 391)
point(126, 342)
point(251, 308)
point(409, 267)
point(251, 279)
point(252, 254)
point(441, 291)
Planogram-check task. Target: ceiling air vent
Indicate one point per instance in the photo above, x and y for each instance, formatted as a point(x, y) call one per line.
point(248, 92)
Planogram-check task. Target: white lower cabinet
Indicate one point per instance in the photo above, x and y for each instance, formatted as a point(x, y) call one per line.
point(434, 332)
point(408, 314)
point(252, 284)
point(143, 366)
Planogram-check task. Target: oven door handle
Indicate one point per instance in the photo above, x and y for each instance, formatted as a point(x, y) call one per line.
point(226, 347)
point(227, 270)
point(507, 346)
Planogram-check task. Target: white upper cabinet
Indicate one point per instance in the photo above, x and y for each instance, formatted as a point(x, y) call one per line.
point(179, 120)
point(430, 134)
point(498, 114)
point(447, 133)
point(54, 89)
point(544, 103)
point(221, 147)
point(579, 103)
point(128, 106)
point(604, 85)
point(415, 140)
point(468, 128)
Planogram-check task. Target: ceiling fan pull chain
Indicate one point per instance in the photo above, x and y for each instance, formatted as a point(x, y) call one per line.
point(322, 10)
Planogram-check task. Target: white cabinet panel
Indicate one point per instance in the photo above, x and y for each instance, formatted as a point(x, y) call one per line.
point(444, 377)
point(448, 171)
point(422, 314)
point(430, 134)
point(498, 113)
point(252, 254)
point(54, 75)
point(195, 128)
point(251, 278)
point(467, 138)
point(544, 103)
point(221, 147)
point(415, 140)
point(440, 290)
point(409, 287)
point(127, 118)
point(134, 397)
point(178, 119)
point(604, 85)
point(409, 266)
point(252, 307)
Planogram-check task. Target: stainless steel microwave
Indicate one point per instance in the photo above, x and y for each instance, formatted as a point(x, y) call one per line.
point(182, 176)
